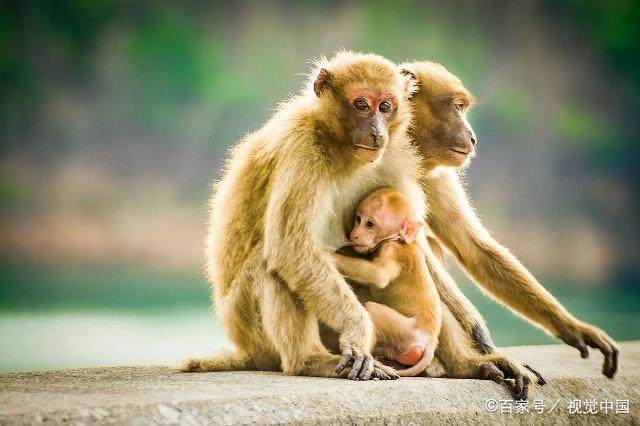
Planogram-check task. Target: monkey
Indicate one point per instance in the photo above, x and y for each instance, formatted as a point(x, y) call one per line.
point(446, 143)
point(287, 194)
point(404, 306)
point(283, 204)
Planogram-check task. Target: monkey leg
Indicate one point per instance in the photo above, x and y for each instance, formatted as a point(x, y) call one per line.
point(239, 313)
point(294, 333)
point(461, 360)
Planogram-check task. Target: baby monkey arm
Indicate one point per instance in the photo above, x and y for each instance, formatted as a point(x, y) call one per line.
point(377, 272)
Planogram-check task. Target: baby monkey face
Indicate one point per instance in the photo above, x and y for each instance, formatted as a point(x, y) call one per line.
point(385, 215)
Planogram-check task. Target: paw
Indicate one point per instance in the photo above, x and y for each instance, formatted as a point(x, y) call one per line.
point(362, 366)
point(581, 336)
point(518, 379)
point(383, 372)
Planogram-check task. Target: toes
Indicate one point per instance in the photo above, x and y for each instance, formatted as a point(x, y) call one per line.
point(541, 381)
point(526, 386)
point(383, 372)
point(491, 372)
point(520, 381)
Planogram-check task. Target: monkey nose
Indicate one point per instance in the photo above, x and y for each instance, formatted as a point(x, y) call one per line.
point(375, 140)
point(473, 140)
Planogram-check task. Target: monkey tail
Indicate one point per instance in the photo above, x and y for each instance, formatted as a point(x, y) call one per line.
point(223, 361)
point(425, 361)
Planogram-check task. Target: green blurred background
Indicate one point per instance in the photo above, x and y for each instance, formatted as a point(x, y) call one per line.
point(115, 116)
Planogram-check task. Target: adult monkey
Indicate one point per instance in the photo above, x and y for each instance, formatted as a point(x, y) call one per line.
point(289, 192)
point(446, 143)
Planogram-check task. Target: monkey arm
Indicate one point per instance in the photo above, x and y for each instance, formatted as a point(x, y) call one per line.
point(293, 252)
point(377, 272)
point(491, 265)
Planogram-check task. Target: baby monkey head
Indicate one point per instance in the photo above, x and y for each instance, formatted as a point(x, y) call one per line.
point(385, 215)
point(363, 104)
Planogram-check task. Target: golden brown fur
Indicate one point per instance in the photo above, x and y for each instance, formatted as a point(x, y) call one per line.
point(288, 194)
point(437, 127)
point(398, 279)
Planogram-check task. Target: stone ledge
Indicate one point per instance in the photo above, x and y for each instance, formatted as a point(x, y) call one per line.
point(159, 395)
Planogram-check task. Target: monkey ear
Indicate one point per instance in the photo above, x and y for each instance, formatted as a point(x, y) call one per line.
point(412, 82)
point(323, 80)
point(410, 230)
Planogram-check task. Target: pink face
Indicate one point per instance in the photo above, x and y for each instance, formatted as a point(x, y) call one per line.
point(372, 112)
point(376, 223)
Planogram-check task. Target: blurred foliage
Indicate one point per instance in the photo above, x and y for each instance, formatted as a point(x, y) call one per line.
point(115, 114)
point(157, 91)
point(611, 27)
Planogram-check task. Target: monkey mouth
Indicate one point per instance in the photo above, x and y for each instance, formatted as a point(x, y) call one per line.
point(361, 249)
point(368, 148)
point(459, 151)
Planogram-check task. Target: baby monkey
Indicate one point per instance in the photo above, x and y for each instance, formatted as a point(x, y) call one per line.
point(404, 306)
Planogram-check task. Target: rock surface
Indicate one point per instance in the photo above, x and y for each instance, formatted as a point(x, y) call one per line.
point(159, 395)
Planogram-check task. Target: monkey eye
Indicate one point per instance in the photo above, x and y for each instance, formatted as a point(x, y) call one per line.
point(459, 104)
point(361, 104)
point(358, 218)
point(370, 224)
point(385, 107)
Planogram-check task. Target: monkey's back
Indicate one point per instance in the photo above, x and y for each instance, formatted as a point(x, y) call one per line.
point(240, 198)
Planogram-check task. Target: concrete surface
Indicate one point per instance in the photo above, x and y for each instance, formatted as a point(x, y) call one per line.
point(159, 395)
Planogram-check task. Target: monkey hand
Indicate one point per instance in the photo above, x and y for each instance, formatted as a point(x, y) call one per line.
point(362, 366)
point(581, 335)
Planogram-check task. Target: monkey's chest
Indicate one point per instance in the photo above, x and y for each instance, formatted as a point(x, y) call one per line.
point(342, 199)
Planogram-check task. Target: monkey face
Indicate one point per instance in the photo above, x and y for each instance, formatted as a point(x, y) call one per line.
point(440, 127)
point(369, 231)
point(363, 101)
point(369, 113)
point(379, 218)
point(453, 141)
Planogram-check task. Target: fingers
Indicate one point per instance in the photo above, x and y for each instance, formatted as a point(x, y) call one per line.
point(574, 338)
point(541, 380)
point(361, 366)
point(582, 347)
point(358, 362)
point(610, 366)
point(586, 335)
point(346, 360)
point(609, 351)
